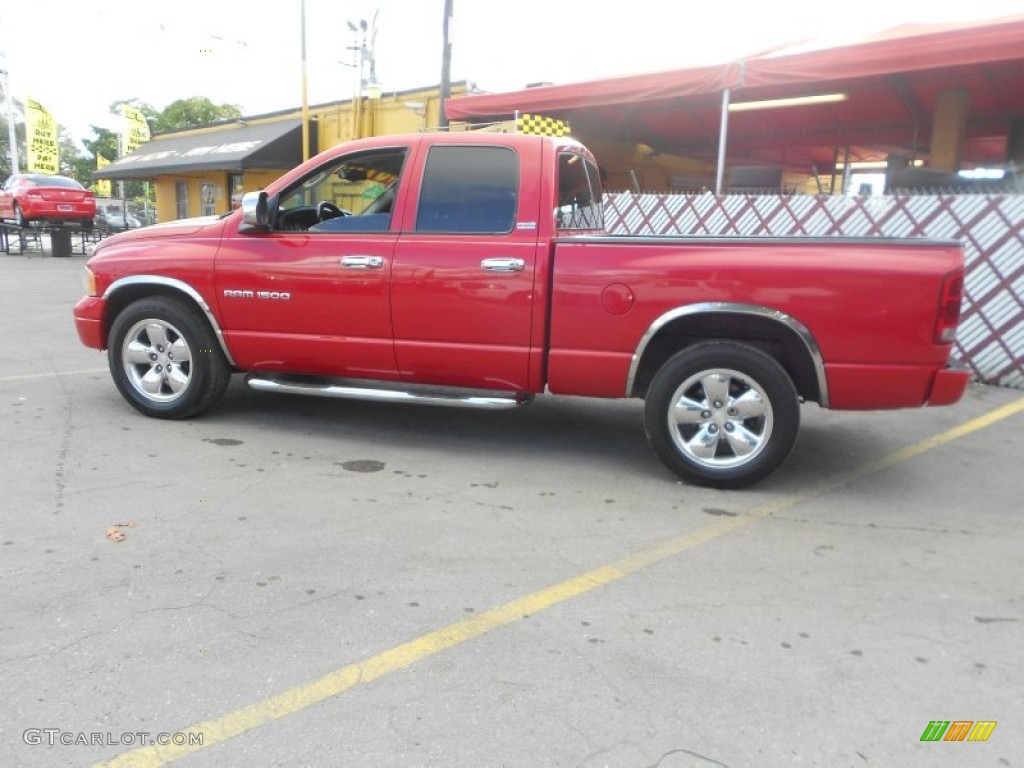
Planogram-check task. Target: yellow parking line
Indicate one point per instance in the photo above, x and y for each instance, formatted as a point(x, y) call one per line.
point(233, 724)
point(27, 376)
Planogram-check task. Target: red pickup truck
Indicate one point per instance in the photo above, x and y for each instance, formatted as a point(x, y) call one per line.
point(473, 269)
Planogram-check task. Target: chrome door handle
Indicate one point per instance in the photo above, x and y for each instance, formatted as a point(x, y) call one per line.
point(503, 265)
point(362, 262)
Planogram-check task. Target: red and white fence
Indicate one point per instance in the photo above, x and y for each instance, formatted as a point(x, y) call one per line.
point(991, 227)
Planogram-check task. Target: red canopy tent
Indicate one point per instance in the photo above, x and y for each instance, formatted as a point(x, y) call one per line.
point(891, 83)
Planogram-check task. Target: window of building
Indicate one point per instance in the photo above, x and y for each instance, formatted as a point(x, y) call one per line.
point(181, 199)
point(207, 199)
point(235, 190)
point(469, 189)
point(579, 194)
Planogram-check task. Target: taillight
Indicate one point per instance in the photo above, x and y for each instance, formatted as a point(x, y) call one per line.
point(950, 298)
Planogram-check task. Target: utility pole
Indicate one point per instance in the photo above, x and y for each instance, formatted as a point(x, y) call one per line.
point(371, 52)
point(358, 49)
point(305, 92)
point(367, 87)
point(12, 135)
point(446, 64)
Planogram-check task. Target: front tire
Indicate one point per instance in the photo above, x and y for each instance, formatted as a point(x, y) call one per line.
point(722, 414)
point(19, 217)
point(165, 359)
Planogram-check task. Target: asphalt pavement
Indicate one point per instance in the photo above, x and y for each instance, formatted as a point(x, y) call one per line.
point(309, 582)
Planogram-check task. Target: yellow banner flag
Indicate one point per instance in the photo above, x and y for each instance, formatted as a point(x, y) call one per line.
point(134, 129)
point(102, 186)
point(41, 139)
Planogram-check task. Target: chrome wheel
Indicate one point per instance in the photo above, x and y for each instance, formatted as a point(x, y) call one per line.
point(165, 358)
point(722, 414)
point(157, 360)
point(720, 418)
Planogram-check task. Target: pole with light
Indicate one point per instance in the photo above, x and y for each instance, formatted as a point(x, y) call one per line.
point(372, 89)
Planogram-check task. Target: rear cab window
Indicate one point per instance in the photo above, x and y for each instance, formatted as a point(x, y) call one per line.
point(579, 205)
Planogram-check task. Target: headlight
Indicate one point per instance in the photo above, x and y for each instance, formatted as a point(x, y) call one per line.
point(89, 280)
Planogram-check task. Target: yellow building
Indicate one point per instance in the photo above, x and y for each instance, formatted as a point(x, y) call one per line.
point(205, 170)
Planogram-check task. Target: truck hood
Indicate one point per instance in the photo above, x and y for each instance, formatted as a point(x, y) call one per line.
point(178, 228)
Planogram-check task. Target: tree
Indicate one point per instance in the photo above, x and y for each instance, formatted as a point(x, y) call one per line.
point(104, 142)
point(183, 113)
point(198, 110)
point(71, 157)
point(150, 112)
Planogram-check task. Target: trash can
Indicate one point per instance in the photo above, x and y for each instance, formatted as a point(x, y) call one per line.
point(60, 242)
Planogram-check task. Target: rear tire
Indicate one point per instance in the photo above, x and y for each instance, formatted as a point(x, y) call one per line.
point(19, 217)
point(165, 359)
point(722, 414)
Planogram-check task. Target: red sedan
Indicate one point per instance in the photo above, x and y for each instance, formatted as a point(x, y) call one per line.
point(32, 197)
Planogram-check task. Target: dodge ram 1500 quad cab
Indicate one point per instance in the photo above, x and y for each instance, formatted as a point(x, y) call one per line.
point(473, 269)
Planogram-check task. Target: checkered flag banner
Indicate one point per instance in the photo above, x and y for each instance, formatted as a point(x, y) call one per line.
point(543, 126)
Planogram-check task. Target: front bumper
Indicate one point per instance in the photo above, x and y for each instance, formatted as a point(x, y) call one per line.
point(949, 384)
point(89, 322)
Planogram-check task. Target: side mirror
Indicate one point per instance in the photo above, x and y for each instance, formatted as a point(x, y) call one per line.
point(255, 211)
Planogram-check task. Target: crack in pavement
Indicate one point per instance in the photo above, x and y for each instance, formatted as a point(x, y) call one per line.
point(709, 760)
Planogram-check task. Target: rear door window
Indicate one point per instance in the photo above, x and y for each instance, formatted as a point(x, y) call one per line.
point(469, 190)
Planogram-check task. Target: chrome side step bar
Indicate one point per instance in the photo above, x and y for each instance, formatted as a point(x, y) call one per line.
point(379, 392)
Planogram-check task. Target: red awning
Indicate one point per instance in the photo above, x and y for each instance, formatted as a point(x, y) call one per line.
point(892, 81)
point(907, 48)
point(615, 91)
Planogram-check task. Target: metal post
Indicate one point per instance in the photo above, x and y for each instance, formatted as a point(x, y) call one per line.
point(835, 162)
point(305, 96)
point(121, 151)
point(723, 136)
point(846, 170)
point(446, 65)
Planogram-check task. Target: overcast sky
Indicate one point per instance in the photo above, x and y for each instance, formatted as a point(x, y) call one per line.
point(77, 57)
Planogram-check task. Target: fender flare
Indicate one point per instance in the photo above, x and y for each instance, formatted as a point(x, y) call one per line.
point(791, 323)
point(177, 285)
